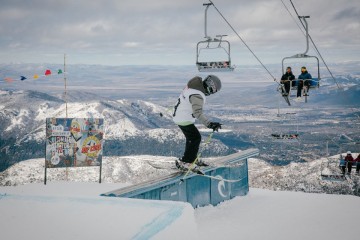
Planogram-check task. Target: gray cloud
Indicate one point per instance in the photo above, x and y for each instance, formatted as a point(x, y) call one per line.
point(165, 31)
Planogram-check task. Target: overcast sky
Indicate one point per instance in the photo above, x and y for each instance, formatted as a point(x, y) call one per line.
point(117, 32)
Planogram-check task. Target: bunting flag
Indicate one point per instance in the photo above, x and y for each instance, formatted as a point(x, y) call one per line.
point(35, 76)
point(7, 79)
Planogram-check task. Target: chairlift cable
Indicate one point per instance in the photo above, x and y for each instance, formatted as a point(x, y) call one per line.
point(243, 41)
point(297, 24)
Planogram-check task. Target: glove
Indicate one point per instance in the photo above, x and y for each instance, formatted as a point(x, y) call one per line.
point(215, 126)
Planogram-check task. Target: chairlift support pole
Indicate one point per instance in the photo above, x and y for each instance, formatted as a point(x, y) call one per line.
point(205, 27)
point(303, 18)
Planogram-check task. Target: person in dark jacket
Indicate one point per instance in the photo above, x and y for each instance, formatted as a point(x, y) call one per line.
point(304, 80)
point(357, 160)
point(286, 79)
point(349, 161)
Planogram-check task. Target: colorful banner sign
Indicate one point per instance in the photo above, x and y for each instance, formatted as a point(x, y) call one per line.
point(74, 142)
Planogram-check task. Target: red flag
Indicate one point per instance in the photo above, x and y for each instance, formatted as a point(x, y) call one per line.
point(47, 72)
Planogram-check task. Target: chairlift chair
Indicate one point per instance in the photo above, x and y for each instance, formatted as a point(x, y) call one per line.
point(315, 81)
point(333, 173)
point(285, 138)
point(222, 64)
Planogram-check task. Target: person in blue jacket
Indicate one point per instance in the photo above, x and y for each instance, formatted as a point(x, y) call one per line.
point(304, 80)
point(342, 164)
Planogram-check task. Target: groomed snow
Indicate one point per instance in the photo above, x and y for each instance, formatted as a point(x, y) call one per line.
point(69, 210)
point(76, 211)
point(265, 214)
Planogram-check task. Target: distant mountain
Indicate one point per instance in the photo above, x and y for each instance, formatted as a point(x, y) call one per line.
point(304, 177)
point(345, 91)
point(131, 127)
point(247, 106)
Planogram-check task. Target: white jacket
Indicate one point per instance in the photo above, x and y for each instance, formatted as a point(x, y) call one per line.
point(187, 110)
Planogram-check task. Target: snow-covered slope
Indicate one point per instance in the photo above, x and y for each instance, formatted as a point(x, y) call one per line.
point(129, 169)
point(76, 211)
point(131, 127)
point(280, 215)
point(23, 114)
point(304, 176)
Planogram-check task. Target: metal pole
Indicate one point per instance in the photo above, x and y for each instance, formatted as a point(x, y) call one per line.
point(307, 33)
point(327, 148)
point(66, 109)
point(100, 171)
point(45, 173)
point(206, 9)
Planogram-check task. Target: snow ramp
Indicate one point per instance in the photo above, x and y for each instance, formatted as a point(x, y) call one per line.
point(223, 181)
point(58, 217)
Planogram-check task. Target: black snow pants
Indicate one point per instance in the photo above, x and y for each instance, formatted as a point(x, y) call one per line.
point(193, 139)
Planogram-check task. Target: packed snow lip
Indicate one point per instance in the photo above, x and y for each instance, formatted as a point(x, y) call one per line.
point(74, 203)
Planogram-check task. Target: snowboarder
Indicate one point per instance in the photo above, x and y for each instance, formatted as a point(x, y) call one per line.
point(304, 80)
point(286, 79)
point(189, 107)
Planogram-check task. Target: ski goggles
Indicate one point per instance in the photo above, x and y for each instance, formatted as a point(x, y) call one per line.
point(210, 86)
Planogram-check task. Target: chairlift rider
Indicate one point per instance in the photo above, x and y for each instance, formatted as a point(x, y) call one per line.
point(286, 79)
point(304, 81)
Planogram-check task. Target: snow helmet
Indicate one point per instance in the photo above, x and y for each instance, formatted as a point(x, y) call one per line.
point(348, 152)
point(212, 84)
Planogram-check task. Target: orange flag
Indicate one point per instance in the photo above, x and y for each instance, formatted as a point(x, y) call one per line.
point(8, 79)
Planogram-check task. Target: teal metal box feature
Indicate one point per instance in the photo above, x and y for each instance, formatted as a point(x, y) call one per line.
point(195, 189)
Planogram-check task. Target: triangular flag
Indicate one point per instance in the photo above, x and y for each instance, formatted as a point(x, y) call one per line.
point(36, 76)
point(22, 78)
point(8, 79)
point(47, 72)
point(60, 71)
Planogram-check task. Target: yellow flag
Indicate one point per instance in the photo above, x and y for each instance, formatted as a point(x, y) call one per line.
point(36, 76)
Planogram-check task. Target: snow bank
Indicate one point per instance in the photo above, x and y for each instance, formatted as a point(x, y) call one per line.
point(68, 210)
point(265, 214)
point(76, 211)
